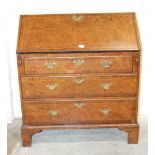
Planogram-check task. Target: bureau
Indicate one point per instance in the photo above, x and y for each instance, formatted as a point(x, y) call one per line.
point(78, 71)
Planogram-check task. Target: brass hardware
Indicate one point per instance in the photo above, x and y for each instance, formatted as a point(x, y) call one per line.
point(136, 58)
point(105, 111)
point(78, 80)
point(79, 104)
point(50, 65)
point(106, 64)
point(79, 62)
point(106, 85)
point(77, 18)
point(54, 112)
point(19, 60)
point(51, 86)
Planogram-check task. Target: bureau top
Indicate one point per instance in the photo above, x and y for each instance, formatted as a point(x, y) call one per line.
point(78, 32)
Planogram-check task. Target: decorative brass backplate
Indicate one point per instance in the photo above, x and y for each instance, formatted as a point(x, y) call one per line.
point(51, 86)
point(79, 62)
point(54, 112)
point(106, 85)
point(107, 64)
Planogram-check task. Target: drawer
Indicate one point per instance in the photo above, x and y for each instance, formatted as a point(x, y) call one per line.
point(89, 64)
point(79, 86)
point(79, 111)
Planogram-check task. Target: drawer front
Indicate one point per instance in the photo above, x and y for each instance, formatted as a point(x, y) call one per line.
point(78, 86)
point(100, 64)
point(79, 112)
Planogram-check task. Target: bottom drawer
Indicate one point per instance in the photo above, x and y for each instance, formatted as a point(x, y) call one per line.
point(79, 111)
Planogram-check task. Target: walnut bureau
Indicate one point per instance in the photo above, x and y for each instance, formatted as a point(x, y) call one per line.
point(78, 71)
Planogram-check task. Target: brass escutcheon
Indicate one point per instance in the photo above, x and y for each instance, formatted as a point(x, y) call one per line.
point(79, 80)
point(77, 18)
point(105, 111)
point(79, 104)
point(50, 65)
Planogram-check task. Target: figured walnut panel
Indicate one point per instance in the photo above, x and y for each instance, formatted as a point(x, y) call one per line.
point(90, 86)
point(89, 64)
point(48, 33)
point(79, 112)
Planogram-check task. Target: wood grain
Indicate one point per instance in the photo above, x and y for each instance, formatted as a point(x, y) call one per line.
point(27, 134)
point(34, 64)
point(133, 134)
point(53, 65)
point(48, 33)
point(91, 86)
point(131, 129)
point(79, 112)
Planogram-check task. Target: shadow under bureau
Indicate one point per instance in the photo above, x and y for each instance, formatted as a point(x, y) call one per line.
point(78, 71)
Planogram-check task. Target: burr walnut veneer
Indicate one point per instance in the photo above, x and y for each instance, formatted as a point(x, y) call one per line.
point(78, 71)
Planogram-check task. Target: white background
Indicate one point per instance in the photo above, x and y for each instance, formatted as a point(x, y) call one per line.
point(10, 11)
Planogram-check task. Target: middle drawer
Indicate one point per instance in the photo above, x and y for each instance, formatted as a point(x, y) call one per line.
point(79, 86)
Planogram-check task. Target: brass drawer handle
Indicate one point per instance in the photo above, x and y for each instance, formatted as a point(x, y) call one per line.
point(105, 111)
point(79, 80)
point(79, 62)
point(51, 86)
point(79, 104)
point(107, 64)
point(50, 65)
point(54, 112)
point(77, 18)
point(106, 85)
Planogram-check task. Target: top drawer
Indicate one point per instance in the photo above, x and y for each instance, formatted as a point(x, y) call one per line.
point(78, 64)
